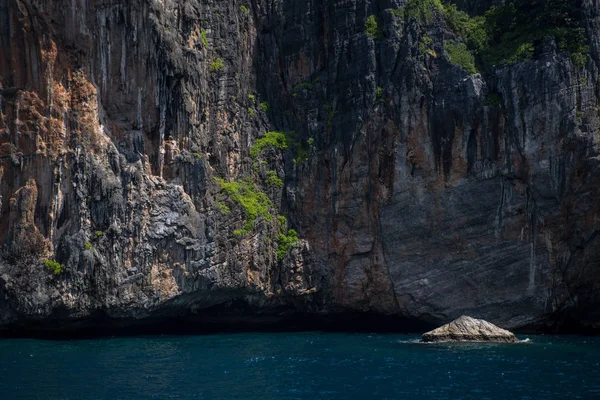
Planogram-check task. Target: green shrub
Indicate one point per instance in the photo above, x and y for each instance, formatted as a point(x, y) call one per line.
point(253, 201)
point(460, 55)
point(282, 222)
point(252, 98)
point(278, 140)
point(524, 52)
point(472, 29)
point(273, 180)
point(87, 245)
point(198, 156)
point(222, 207)
point(244, 8)
point(204, 39)
point(579, 59)
point(251, 112)
point(515, 28)
point(379, 95)
point(422, 10)
point(99, 234)
point(301, 154)
point(372, 28)
point(398, 12)
point(285, 242)
point(425, 44)
point(508, 33)
point(55, 267)
point(217, 65)
point(265, 106)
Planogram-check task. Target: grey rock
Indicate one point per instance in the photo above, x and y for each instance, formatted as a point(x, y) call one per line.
point(467, 329)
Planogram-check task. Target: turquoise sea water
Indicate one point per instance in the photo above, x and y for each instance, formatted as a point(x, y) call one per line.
point(298, 366)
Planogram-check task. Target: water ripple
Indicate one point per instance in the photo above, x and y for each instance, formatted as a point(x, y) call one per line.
point(297, 366)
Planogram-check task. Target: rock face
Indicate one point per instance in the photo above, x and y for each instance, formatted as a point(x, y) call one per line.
point(411, 195)
point(467, 329)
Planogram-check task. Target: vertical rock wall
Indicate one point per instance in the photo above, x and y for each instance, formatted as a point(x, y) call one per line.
point(412, 195)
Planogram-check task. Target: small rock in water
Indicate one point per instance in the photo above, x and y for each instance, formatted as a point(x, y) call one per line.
point(467, 329)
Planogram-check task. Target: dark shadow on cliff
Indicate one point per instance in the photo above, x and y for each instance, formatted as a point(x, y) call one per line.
point(240, 319)
point(231, 318)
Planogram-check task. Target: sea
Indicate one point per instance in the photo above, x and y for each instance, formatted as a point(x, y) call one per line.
point(306, 365)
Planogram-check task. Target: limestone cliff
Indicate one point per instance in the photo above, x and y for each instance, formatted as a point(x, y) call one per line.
point(137, 179)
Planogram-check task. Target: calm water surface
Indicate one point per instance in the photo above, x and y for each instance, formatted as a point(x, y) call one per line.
point(298, 366)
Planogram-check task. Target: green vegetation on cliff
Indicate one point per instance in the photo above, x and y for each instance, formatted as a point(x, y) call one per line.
point(507, 33)
point(421, 10)
point(287, 238)
point(373, 29)
point(277, 140)
point(223, 207)
point(273, 180)
point(472, 29)
point(460, 55)
point(516, 28)
point(53, 266)
point(285, 242)
point(204, 38)
point(280, 141)
point(252, 200)
point(217, 65)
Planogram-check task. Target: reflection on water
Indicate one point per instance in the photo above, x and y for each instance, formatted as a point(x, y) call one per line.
point(298, 366)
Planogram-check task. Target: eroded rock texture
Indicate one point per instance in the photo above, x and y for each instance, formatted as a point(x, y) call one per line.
point(415, 197)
